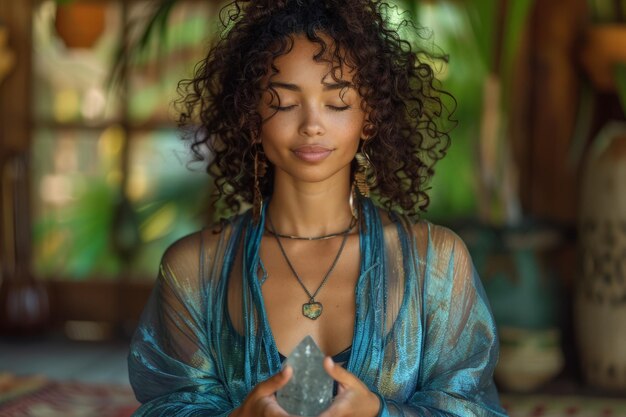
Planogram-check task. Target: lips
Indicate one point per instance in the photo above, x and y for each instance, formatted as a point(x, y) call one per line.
point(312, 153)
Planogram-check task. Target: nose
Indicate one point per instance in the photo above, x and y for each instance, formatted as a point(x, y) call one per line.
point(311, 124)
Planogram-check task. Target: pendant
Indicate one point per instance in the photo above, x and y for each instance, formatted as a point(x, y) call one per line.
point(312, 309)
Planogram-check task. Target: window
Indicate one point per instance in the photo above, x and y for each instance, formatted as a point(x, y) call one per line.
point(111, 183)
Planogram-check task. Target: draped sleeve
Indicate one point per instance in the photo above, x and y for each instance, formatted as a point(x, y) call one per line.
point(172, 365)
point(458, 339)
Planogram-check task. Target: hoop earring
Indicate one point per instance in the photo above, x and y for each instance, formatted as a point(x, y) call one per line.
point(353, 201)
point(260, 168)
point(364, 176)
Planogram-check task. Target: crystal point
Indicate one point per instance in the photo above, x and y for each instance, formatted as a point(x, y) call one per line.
point(310, 389)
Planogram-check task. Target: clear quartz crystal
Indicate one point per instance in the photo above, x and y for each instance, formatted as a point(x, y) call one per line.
point(310, 389)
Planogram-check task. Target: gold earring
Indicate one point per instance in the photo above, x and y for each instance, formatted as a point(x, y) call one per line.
point(369, 130)
point(353, 202)
point(364, 176)
point(260, 168)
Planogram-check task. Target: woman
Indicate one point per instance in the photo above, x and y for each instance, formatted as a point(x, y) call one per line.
point(307, 107)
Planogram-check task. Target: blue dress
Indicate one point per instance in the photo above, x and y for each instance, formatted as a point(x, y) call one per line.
point(424, 337)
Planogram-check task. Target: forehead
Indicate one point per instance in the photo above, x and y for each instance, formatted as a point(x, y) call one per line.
point(300, 62)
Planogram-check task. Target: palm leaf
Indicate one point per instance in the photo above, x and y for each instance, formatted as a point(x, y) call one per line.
point(154, 33)
point(515, 23)
point(481, 15)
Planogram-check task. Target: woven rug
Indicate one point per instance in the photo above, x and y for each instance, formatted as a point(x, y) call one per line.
point(38, 397)
point(563, 406)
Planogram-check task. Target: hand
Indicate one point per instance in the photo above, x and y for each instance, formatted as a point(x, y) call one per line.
point(353, 397)
point(261, 401)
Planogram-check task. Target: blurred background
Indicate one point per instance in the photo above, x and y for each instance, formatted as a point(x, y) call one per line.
point(95, 184)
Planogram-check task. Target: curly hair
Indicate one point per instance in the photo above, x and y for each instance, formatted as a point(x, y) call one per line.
point(218, 105)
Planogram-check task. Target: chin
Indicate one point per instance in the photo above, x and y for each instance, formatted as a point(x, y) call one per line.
point(314, 174)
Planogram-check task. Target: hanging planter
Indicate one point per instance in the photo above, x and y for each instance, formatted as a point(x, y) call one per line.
point(603, 48)
point(80, 24)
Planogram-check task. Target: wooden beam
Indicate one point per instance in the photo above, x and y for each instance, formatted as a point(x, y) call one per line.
point(98, 300)
point(15, 90)
point(549, 184)
point(15, 105)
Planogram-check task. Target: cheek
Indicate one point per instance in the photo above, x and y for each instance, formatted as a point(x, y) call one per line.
point(352, 126)
point(274, 131)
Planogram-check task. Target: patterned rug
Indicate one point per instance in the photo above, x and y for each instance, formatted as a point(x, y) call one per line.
point(563, 406)
point(38, 397)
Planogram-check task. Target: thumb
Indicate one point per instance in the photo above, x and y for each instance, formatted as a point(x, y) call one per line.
point(338, 373)
point(274, 383)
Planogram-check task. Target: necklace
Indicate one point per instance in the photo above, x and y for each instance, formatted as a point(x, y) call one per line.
point(313, 309)
point(322, 237)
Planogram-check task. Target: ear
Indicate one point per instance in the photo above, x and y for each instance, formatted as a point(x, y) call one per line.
point(369, 130)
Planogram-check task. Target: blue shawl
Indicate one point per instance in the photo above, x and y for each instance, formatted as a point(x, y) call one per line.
point(424, 337)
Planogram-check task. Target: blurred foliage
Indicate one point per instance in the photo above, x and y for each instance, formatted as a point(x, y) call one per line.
point(94, 230)
point(482, 39)
point(453, 192)
point(83, 241)
point(607, 11)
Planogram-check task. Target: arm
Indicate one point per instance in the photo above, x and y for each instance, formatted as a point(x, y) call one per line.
point(172, 370)
point(460, 342)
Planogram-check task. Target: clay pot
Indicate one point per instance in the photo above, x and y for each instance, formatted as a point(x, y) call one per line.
point(513, 263)
point(528, 358)
point(24, 307)
point(80, 24)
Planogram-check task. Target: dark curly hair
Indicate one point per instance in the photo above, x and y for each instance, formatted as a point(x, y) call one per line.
point(395, 77)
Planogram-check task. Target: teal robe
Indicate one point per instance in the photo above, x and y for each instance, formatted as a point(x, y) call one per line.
point(424, 337)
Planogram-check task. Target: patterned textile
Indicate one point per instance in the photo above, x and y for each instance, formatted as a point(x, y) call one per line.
point(68, 399)
point(424, 338)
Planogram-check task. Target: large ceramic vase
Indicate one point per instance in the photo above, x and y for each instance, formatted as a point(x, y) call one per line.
point(600, 300)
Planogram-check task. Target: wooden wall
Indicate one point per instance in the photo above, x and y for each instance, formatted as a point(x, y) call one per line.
point(15, 94)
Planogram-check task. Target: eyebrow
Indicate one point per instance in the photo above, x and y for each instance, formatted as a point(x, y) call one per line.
point(294, 87)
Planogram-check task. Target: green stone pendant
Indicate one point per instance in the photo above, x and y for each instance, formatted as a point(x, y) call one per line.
point(312, 309)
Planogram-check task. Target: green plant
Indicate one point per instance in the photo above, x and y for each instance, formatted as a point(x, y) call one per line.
point(497, 28)
point(483, 44)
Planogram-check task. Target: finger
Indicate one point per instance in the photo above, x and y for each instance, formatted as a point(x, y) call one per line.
point(338, 373)
point(332, 411)
point(275, 410)
point(274, 383)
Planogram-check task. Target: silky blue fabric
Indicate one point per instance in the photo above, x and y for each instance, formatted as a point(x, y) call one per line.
point(424, 338)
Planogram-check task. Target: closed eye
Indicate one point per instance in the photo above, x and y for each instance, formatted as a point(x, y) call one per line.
point(338, 108)
point(283, 108)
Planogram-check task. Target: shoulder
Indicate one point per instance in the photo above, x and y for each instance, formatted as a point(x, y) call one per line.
point(440, 237)
point(189, 250)
point(437, 244)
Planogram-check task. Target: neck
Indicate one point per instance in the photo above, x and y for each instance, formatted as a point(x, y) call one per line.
point(310, 209)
